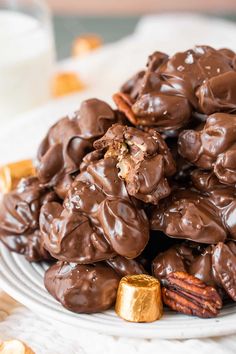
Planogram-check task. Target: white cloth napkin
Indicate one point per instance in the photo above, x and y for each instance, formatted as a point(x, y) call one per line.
point(104, 71)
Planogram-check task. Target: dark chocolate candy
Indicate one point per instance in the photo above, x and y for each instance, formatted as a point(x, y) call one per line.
point(69, 236)
point(218, 94)
point(82, 288)
point(188, 215)
point(133, 85)
point(69, 140)
point(98, 220)
point(124, 266)
point(224, 265)
point(143, 159)
point(215, 265)
point(201, 78)
point(166, 263)
point(19, 218)
point(213, 147)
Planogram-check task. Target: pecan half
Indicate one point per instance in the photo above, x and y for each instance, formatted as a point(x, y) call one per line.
point(189, 295)
point(124, 104)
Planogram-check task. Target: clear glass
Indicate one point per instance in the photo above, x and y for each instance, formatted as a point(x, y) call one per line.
point(26, 56)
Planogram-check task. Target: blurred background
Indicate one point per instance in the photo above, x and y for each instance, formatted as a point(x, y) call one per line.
point(82, 30)
point(113, 19)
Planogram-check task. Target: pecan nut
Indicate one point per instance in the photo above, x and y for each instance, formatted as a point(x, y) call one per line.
point(189, 295)
point(124, 104)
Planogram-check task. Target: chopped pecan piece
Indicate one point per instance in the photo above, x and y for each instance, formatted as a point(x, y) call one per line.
point(189, 295)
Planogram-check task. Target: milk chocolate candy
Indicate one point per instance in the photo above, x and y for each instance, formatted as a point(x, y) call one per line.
point(202, 269)
point(217, 94)
point(124, 266)
point(69, 236)
point(224, 266)
point(188, 70)
point(204, 180)
point(188, 215)
point(222, 196)
point(214, 265)
point(133, 85)
point(171, 88)
point(143, 159)
point(98, 219)
point(213, 147)
point(82, 288)
point(167, 262)
point(19, 215)
point(70, 139)
point(102, 195)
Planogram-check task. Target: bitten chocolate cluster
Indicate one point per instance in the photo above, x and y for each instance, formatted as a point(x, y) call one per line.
point(148, 187)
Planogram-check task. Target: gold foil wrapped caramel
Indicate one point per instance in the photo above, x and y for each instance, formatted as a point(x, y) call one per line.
point(15, 346)
point(11, 173)
point(85, 44)
point(65, 83)
point(139, 298)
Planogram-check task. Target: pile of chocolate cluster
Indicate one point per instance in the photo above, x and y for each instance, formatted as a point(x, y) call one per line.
point(148, 188)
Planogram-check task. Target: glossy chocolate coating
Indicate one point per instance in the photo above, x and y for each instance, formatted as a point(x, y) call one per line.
point(91, 157)
point(155, 60)
point(213, 147)
point(69, 236)
point(166, 263)
point(188, 70)
point(124, 266)
point(201, 79)
point(215, 265)
point(70, 139)
point(19, 215)
point(134, 180)
point(98, 219)
point(82, 288)
point(189, 215)
point(143, 159)
point(183, 167)
point(133, 85)
point(164, 111)
point(102, 195)
point(224, 265)
point(204, 180)
point(218, 94)
point(202, 269)
point(222, 196)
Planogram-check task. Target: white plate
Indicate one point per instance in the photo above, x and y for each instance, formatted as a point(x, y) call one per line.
point(24, 281)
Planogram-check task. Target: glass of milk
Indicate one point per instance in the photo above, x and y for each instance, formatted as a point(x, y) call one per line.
point(26, 56)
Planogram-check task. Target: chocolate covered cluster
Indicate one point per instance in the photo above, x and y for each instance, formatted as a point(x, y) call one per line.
point(173, 89)
point(146, 188)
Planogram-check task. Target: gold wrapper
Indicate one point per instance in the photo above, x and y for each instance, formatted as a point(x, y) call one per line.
point(84, 44)
point(11, 173)
point(15, 346)
point(139, 299)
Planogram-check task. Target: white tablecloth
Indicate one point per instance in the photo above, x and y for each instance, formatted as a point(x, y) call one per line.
point(103, 73)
